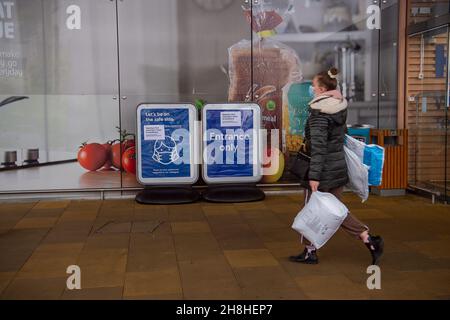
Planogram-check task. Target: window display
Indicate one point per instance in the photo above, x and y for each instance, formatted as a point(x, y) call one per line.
point(73, 72)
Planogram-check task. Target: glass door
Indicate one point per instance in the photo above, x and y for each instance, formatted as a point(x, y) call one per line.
point(427, 112)
point(387, 107)
point(58, 80)
point(313, 37)
point(176, 51)
point(447, 128)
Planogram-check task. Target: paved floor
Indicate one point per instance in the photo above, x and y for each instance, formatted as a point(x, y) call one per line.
point(214, 251)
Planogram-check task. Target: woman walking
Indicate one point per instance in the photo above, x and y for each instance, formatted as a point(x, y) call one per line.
point(325, 134)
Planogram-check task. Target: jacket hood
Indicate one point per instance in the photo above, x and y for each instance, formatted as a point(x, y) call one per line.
point(333, 104)
point(334, 94)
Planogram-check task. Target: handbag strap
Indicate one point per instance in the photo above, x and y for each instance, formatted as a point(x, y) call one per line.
point(303, 146)
point(302, 153)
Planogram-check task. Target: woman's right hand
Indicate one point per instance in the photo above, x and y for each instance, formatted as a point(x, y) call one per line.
point(314, 185)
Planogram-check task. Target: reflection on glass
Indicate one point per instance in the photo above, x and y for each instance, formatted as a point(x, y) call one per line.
point(175, 51)
point(58, 74)
point(388, 93)
point(322, 34)
point(428, 110)
point(336, 33)
point(172, 51)
point(425, 10)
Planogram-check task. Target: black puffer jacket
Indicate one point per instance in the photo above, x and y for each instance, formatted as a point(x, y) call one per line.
point(325, 133)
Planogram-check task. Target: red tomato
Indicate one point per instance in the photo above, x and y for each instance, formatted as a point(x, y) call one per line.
point(108, 163)
point(116, 155)
point(92, 156)
point(129, 160)
point(127, 144)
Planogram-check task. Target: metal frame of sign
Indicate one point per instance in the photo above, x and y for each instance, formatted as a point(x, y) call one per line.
point(193, 137)
point(257, 168)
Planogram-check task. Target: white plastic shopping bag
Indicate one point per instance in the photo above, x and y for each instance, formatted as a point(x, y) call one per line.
point(320, 218)
point(358, 174)
point(356, 146)
point(371, 155)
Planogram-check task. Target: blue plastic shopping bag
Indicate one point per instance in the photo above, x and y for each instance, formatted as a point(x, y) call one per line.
point(371, 155)
point(374, 158)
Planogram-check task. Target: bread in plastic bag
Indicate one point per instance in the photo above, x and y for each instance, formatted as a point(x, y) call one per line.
point(266, 16)
point(275, 68)
point(272, 65)
point(320, 218)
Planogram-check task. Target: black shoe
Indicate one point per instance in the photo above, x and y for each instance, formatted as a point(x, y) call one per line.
point(376, 247)
point(305, 257)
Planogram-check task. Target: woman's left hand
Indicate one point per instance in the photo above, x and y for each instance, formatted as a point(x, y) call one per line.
point(314, 185)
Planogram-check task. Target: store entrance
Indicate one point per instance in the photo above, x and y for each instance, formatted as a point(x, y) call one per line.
point(427, 111)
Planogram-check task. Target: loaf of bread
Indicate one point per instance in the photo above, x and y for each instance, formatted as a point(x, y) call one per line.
point(275, 66)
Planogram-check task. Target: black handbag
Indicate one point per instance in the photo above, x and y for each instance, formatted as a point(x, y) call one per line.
point(300, 165)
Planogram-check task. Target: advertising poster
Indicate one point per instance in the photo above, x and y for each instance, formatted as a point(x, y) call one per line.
point(166, 144)
point(231, 143)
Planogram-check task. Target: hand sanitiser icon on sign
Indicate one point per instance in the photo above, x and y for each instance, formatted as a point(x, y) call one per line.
point(165, 151)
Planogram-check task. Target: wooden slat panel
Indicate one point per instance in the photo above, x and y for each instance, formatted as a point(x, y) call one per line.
point(416, 61)
point(432, 111)
point(425, 121)
point(427, 74)
point(430, 167)
point(416, 68)
point(419, 87)
point(426, 82)
point(426, 152)
point(395, 173)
